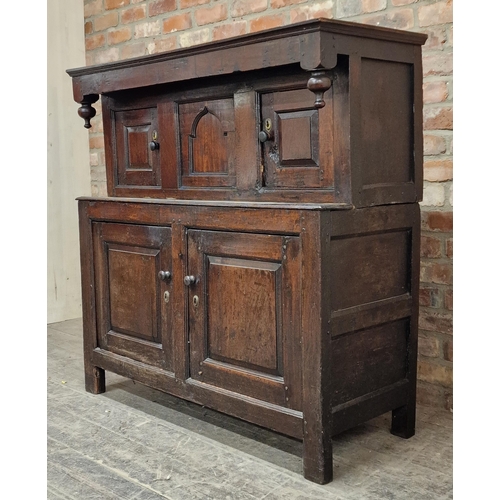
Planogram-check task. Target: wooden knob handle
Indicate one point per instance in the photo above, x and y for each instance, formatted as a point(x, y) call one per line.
point(164, 275)
point(189, 280)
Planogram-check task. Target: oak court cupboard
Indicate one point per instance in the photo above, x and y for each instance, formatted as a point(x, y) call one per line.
point(258, 251)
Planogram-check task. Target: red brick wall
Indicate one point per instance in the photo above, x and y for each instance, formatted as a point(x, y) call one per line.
point(119, 29)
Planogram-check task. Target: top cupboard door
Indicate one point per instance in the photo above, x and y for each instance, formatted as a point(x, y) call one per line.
point(297, 140)
point(135, 147)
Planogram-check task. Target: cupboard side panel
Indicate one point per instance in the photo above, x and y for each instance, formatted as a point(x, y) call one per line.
point(372, 269)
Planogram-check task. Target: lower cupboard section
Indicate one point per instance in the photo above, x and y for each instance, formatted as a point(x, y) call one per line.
point(296, 319)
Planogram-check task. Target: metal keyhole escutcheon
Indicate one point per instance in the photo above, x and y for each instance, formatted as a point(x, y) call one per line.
point(196, 301)
point(267, 133)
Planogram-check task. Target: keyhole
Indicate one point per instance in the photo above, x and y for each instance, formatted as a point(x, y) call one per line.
point(196, 301)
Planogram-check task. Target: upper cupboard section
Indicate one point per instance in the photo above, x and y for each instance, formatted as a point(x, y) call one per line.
point(243, 140)
point(318, 112)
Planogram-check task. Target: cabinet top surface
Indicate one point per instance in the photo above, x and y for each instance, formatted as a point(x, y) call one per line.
point(315, 26)
point(222, 203)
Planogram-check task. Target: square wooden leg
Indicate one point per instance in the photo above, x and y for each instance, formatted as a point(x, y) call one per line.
point(403, 421)
point(95, 380)
point(317, 459)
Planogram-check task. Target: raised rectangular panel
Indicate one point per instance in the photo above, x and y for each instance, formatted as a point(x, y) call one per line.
point(133, 319)
point(236, 288)
point(387, 137)
point(370, 267)
point(368, 360)
point(232, 346)
point(298, 153)
point(132, 299)
point(136, 163)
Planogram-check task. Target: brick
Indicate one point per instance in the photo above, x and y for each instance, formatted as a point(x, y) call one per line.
point(185, 4)
point(161, 6)
point(431, 395)
point(312, 11)
point(436, 13)
point(278, 4)
point(177, 23)
point(98, 189)
point(399, 19)
point(92, 8)
point(96, 142)
point(437, 64)
point(94, 159)
point(435, 272)
point(95, 41)
point(119, 36)
point(229, 30)
point(438, 118)
point(434, 144)
point(430, 247)
point(244, 7)
point(133, 50)
point(435, 373)
point(434, 195)
point(449, 248)
point(448, 299)
point(429, 297)
point(436, 38)
point(437, 221)
point(115, 4)
point(147, 29)
point(105, 56)
point(373, 5)
point(265, 22)
point(194, 37)
point(435, 92)
point(429, 347)
point(448, 350)
point(397, 3)
point(88, 27)
point(98, 173)
point(163, 45)
point(348, 8)
point(133, 14)
point(104, 22)
point(208, 15)
point(449, 36)
point(438, 170)
point(435, 322)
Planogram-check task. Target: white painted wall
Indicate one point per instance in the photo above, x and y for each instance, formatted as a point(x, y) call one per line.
point(68, 170)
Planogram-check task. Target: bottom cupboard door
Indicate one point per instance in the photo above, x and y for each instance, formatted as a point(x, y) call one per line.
point(244, 314)
point(133, 287)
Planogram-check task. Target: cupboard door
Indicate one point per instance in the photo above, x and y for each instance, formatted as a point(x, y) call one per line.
point(133, 303)
point(298, 152)
point(244, 314)
point(136, 147)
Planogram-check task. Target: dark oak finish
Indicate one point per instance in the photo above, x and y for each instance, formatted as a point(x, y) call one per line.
point(321, 111)
point(259, 251)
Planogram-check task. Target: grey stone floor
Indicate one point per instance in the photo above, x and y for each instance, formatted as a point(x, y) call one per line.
point(133, 442)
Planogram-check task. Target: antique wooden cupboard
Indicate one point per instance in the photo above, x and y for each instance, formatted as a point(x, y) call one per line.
point(259, 249)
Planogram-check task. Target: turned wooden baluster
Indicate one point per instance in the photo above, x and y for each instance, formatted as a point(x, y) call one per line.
point(86, 111)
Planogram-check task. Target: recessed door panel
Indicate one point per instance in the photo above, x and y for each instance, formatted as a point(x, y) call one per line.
point(137, 162)
point(298, 150)
point(245, 295)
point(207, 139)
point(133, 303)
